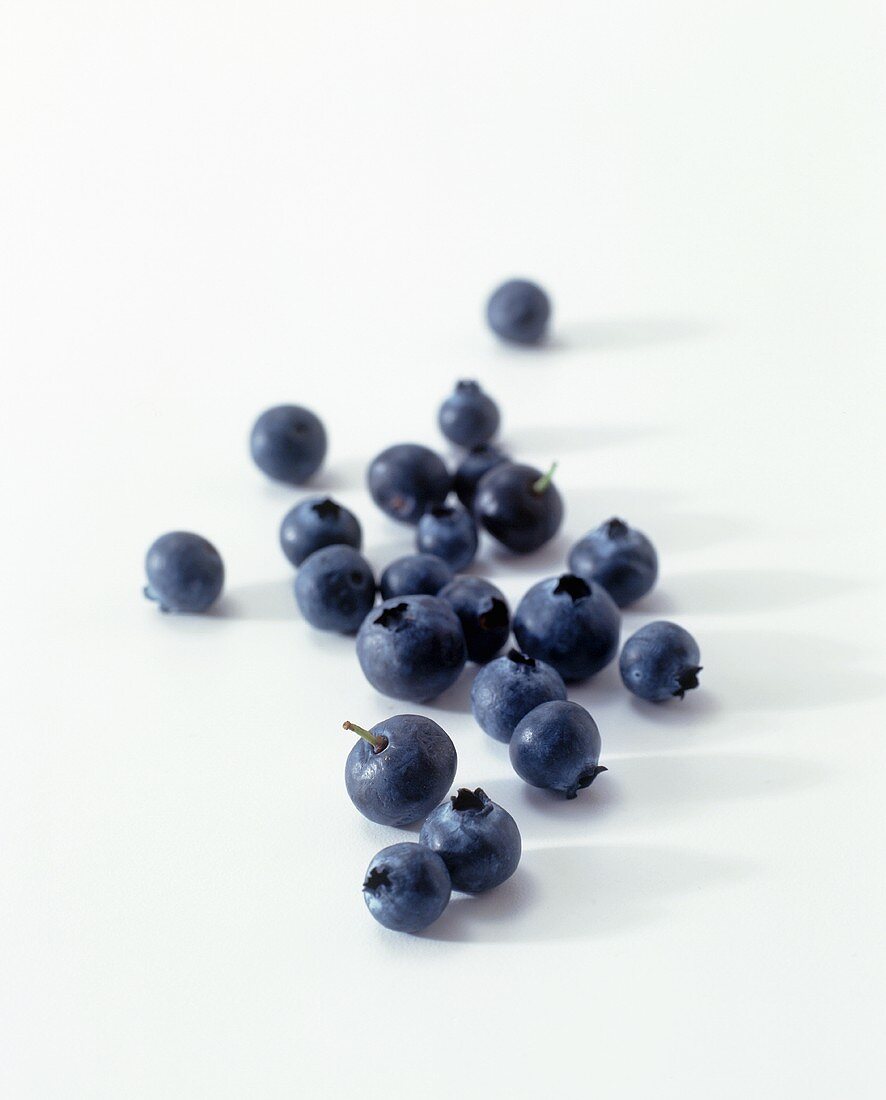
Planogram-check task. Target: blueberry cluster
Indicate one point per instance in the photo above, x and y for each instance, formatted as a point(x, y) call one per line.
point(433, 619)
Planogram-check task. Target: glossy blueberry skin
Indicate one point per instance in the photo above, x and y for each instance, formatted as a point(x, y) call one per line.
point(404, 780)
point(448, 531)
point(508, 688)
point(288, 442)
point(478, 841)
point(557, 746)
point(469, 416)
point(570, 624)
point(414, 575)
point(619, 557)
point(335, 589)
point(660, 662)
point(407, 479)
point(185, 572)
point(315, 523)
point(519, 311)
point(477, 462)
point(484, 615)
point(407, 887)
point(510, 509)
point(411, 647)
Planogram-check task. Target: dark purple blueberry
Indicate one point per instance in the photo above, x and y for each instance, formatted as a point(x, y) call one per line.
point(484, 615)
point(508, 688)
point(557, 746)
point(519, 506)
point(407, 479)
point(469, 416)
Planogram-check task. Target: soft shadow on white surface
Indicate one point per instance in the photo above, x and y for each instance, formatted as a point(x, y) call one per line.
point(583, 892)
point(627, 333)
point(458, 697)
point(560, 439)
point(777, 670)
point(495, 561)
point(643, 789)
point(264, 600)
point(609, 334)
point(345, 474)
point(748, 591)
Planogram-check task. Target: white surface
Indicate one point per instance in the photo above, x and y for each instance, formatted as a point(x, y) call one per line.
point(209, 208)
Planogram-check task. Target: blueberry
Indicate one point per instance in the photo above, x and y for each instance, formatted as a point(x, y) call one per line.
point(508, 688)
point(484, 615)
point(519, 506)
point(469, 416)
point(415, 575)
point(519, 310)
point(619, 557)
point(411, 647)
point(570, 624)
point(449, 532)
point(660, 662)
point(185, 572)
point(407, 479)
point(478, 841)
point(315, 523)
point(406, 887)
point(288, 443)
point(477, 462)
point(335, 589)
point(400, 769)
point(557, 746)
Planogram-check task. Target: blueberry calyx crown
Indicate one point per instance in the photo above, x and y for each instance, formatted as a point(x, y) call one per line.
point(585, 780)
point(378, 741)
point(467, 386)
point(326, 509)
point(687, 679)
point(376, 879)
point(468, 801)
point(616, 528)
point(520, 658)
point(572, 586)
point(392, 617)
point(495, 617)
point(542, 484)
point(442, 511)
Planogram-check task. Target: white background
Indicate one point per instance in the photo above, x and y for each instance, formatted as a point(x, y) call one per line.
point(207, 208)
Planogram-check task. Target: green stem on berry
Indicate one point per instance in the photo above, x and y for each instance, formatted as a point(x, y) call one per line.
point(545, 480)
point(377, 742)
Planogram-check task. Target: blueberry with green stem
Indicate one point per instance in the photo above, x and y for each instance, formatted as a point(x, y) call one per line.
point(660, 662)
point(406, 887)
point(400, 769)
point(557, 746)
point(478, 841)
point(519, 506)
